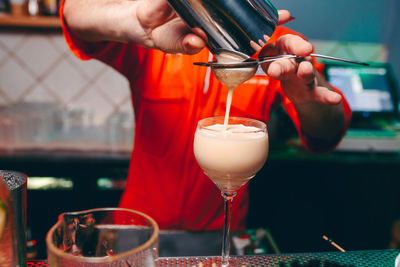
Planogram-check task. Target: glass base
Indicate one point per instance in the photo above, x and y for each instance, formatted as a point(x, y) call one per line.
point(217, 262)
point(229, 185)
point(230, 189)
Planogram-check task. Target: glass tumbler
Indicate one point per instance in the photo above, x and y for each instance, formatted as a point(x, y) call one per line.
point(103, 237)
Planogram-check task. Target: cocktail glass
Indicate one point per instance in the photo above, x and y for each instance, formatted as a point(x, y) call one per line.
point(230, 157)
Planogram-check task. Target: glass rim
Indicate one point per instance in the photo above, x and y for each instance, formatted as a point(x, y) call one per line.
point(60, 253)
point(23, 182)
point(263, 127)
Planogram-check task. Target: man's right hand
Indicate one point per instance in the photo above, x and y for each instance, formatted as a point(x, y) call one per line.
point(151, 23)
point(165, 30)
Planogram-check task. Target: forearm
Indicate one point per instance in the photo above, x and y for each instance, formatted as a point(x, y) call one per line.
point(100, 20)
point(322, 121)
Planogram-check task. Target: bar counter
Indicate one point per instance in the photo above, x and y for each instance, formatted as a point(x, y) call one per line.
point(378, 258)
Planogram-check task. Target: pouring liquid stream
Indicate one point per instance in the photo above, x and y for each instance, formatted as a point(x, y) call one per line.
point(232, 78)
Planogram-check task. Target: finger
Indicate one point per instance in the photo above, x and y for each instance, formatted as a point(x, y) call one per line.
point(284, 16)
point(306, 72)
point(282, 69)
point(269, 50)
point(326, 96)
point(175, 37)
point(294, 44)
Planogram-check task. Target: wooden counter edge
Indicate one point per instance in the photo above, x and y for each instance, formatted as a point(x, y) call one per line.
point(30, 21)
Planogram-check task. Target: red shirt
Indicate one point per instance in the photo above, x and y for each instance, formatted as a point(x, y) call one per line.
point(170, 95)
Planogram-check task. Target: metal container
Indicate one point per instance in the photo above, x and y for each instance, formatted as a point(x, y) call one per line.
point(238, 26)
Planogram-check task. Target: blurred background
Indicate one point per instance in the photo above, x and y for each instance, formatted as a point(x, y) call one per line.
point(69, 126)
point(346, 22)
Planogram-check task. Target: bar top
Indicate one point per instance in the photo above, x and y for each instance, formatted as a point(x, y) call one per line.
point(363, 258)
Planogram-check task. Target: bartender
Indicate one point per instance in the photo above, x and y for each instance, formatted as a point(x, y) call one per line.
point(152, 47)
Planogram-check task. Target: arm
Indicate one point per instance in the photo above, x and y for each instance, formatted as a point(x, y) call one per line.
point(322, 116)
point(319, 107)
point(152, 24)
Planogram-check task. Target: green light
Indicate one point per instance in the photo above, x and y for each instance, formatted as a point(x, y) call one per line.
point(104, 183)
point(49, 183)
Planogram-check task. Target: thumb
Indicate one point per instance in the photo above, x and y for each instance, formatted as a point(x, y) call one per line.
point(192, 44)
point(326, 96)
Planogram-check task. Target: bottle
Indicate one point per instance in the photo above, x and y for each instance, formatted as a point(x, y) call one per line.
point(33, 7)
point(4, 6)
point(50, 7)
point(18, 8)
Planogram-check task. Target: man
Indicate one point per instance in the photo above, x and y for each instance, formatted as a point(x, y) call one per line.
point(154, 49)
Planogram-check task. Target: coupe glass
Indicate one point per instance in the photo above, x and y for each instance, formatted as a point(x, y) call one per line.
point(230, 157)
point(103, 237)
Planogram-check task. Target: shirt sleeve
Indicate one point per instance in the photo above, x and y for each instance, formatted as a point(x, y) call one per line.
point(125, 58)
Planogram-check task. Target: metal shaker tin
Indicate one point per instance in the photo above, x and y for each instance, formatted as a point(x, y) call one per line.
point(238, 26)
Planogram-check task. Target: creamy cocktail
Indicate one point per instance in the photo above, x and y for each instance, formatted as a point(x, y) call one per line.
point(230, 150)
point(231, 157)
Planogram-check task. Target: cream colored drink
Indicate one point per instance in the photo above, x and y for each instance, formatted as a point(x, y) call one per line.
point(231, 157)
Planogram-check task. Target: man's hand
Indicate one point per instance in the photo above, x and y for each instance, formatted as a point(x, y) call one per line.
point(151, 23)
point(317, 104)
point(300, 81)
point(164, 30)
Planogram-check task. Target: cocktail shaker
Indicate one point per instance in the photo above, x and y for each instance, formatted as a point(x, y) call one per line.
point(238, 26)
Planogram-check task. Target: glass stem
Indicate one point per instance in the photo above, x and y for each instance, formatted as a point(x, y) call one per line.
point(228, 198)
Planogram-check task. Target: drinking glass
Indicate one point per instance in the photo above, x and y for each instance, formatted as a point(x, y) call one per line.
point(103, 237)
point(230, 157)
point(7, 258)
point(12, 218)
